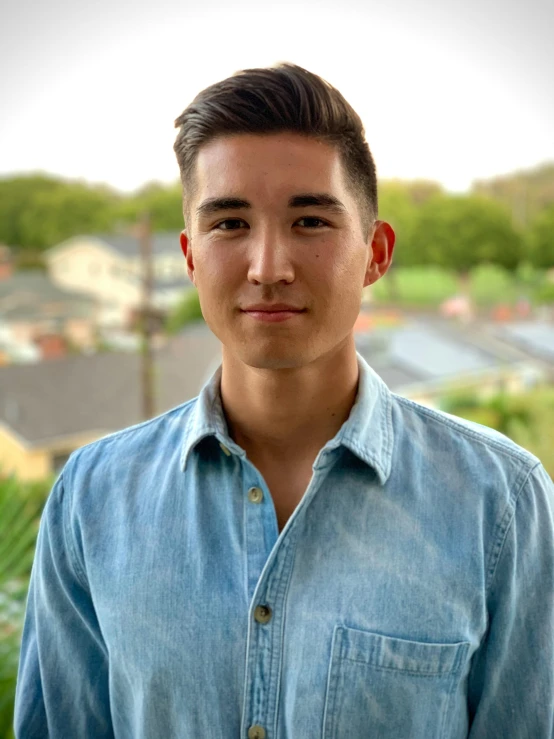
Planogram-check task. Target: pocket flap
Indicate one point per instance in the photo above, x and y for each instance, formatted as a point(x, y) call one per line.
point(391, 653)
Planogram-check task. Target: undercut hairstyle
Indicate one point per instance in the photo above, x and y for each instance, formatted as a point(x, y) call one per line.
point(282, 98)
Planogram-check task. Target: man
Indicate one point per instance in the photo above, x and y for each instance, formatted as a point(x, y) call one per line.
point(297, 552)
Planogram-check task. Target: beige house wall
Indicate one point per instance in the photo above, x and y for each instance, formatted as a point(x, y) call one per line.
point(31, 464)
point(90, 268)
point(27, 465)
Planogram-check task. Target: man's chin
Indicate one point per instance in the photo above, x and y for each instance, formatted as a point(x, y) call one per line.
point(271, 357)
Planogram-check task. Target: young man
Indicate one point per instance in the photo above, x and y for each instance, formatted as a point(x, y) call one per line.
point(297, 552)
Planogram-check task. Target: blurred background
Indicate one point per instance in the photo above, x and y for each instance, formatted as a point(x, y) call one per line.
point(100, 327)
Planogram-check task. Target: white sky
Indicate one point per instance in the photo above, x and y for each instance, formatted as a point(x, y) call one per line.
point(452, 91)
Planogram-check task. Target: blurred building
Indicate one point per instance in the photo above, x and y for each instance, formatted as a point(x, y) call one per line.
point(108, 269)
point(39, 320)
point(49, 409)
point(428, 360)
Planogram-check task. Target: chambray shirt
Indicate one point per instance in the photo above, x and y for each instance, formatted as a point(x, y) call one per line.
point(409, 596)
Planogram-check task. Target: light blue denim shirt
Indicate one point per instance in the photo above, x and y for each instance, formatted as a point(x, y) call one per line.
point(409, 596)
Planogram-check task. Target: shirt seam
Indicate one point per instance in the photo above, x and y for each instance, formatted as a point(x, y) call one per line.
point(505, 526)
point(513, 453)
point(79, 572)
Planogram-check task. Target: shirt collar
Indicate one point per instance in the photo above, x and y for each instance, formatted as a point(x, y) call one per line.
point(367, 433)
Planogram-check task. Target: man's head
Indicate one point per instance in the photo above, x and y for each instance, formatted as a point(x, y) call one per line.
point(273, 100)
point(280, 205)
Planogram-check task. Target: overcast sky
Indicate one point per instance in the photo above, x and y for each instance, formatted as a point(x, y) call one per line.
point(452, 91)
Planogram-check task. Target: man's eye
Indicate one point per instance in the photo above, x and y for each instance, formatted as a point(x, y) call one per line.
point(230, 224)
point(311, 222)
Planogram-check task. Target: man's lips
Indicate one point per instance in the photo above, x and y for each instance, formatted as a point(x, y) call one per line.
point(272, 313)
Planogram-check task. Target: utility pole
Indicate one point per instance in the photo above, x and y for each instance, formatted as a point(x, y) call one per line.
point(147, 362)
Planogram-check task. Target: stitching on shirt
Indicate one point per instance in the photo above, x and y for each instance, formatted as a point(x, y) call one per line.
point(505, 526)
point(513, 452)
point(81, 576)
point(411, 673)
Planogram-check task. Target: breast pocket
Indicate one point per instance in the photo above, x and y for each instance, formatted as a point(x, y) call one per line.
point(380, 687)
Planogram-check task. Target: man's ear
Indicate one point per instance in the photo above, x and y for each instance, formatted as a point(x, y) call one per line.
point(382, 247)
point(187, 252)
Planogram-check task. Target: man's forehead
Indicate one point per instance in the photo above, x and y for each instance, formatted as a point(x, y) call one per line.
point(283, 164)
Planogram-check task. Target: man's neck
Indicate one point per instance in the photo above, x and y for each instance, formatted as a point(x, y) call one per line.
point(278, 415)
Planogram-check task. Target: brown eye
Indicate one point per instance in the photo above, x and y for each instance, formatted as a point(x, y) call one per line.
point(230, 224)
point(310, 222)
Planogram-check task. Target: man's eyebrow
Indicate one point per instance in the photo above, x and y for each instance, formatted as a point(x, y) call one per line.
point(319, 200)
point(214, 205)
point(303, 200)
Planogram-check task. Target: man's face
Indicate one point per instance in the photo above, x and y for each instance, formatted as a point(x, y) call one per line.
point(267, 246)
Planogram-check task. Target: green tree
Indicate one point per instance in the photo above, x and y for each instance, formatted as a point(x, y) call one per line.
point(525, 193)
point(459, 232)
point(399, 204)
point(162, 202)
point(541, 239)
point(39, 211)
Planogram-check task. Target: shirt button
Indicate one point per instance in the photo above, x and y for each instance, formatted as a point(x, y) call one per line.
point(256, 732)
point(224, 449)
point(262, 614)
point(255, 495)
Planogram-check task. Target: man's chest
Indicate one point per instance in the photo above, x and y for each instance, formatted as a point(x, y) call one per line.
point(206, 602)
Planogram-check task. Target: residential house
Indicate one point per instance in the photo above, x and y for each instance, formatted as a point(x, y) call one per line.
point(37, 318)
point(428, 359)
point(48, 410)
point(109, 269)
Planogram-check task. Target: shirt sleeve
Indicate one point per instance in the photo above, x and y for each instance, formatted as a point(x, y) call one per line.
point(511, 684)
point(62, 683)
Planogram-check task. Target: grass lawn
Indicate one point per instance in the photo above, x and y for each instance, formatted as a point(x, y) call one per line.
point(429, 286)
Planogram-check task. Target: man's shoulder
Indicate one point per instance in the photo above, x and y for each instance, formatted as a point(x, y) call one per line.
point(450, 443)
point(161, 434)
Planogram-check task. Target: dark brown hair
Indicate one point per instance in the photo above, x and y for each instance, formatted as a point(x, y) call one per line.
point(285, 97)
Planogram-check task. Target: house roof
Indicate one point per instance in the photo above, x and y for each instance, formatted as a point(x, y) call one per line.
point(127, 245)
point(428, 353)
point(100, 393)
point(37, 283)
point(535, 337)
point(31, 296)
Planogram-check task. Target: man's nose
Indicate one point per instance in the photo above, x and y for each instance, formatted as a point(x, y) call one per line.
point(270, 258)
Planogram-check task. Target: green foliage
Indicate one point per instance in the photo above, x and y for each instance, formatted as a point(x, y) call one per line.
point(523, 193)
point(541, 239)
point(20, 507)
point(163, 203)
point(187, 311)
point(544, 294)
point(39, 211)
point(418, 286)
point(490, 284)
point(458, 231)
point(399, 202)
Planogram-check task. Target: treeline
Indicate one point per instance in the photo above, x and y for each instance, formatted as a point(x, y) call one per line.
point(39, 211)
point(506, 221)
